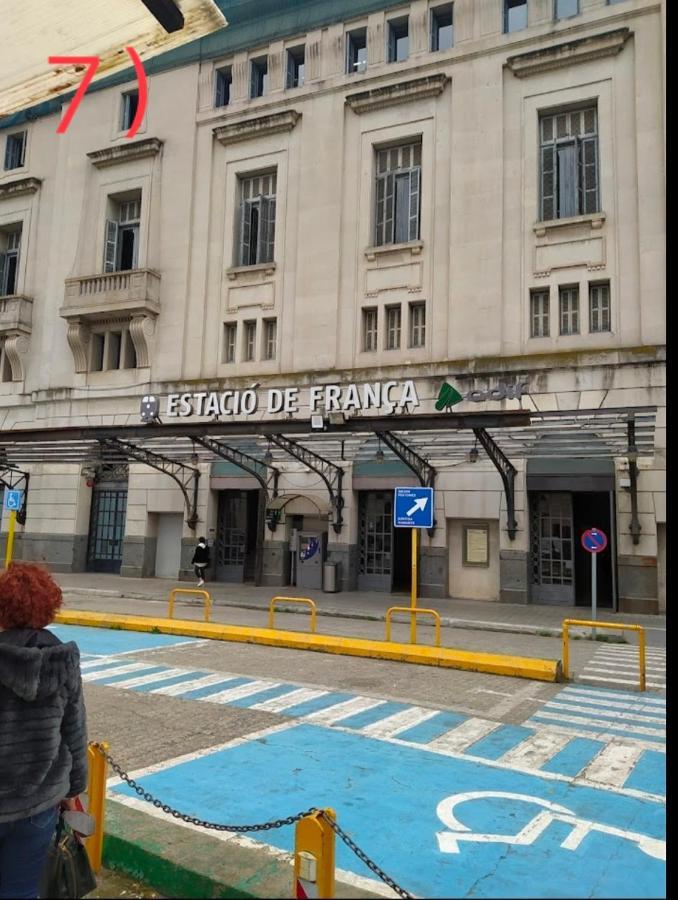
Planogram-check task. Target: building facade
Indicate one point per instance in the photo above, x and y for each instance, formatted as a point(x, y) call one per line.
point(350, 193)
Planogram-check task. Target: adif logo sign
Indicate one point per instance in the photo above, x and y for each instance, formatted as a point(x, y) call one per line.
point(449, 396)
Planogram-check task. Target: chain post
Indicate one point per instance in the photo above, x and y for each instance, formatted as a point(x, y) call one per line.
point(314, 856)
point(96, 791)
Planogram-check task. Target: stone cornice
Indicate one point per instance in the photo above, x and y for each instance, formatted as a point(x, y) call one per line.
point(394, 94)
point(19, 187)
point(597, 46)
point(256, 127)
point(122, 153)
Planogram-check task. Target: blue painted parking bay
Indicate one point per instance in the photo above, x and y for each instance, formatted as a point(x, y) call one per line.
point(441, 826)
point(107, 641)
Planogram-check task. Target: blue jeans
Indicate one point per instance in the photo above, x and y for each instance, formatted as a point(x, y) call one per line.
point(23, 853)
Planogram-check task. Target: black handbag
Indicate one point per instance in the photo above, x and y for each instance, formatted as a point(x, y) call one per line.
point(68, 873)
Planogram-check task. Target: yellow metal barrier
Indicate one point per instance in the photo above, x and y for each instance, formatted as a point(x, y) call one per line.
point(613, 625)
point(304, 600)
point(96, 791)
point(194, 592)
point(413, 611)
point(314, 855)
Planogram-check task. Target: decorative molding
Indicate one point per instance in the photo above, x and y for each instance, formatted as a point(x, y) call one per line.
point(142, 329)
point(553, 226)
point(275, 123)
point(122, 153)
point(264, 270)
point(94, 297)
point(16, 314)
point(16, 349)
point(78, 336)
point(414, 248)
point(19, 187)
point(395, 94)
point(596, 46)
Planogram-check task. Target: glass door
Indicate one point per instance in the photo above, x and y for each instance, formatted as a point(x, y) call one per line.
point(552, 536)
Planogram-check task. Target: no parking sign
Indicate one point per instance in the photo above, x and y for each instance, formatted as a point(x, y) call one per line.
point(594, 540)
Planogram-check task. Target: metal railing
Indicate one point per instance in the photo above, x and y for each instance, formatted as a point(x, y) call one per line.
point(413, 611)
point(303, 600)
point(195, 592)
point(594, 625)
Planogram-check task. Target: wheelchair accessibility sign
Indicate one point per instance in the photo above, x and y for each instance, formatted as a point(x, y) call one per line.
point(13, 500)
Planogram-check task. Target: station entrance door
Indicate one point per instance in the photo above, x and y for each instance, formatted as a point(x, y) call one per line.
point(238, 537)
point(384, 551)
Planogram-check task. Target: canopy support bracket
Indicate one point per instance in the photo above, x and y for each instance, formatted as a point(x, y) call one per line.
point(420, 466)
point(244, 461)
point(332, 475)
point(507, 473)
point(16, 480)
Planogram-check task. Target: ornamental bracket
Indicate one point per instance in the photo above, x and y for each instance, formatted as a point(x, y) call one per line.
point(420, 466)
point(508, 476)
point(332, 475)
point(185, 476)
point(249, 464)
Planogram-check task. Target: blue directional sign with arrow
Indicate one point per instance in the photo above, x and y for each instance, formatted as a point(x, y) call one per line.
point(413, 507)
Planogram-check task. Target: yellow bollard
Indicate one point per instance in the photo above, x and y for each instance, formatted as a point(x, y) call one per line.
point(314, 856)
point(96, 790)
point(10, 539)
point(413, 618)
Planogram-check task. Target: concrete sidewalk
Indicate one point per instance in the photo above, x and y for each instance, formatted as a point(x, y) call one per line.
point(478, 615)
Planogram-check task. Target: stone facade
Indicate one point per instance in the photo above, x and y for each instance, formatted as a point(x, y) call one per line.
point(482, 250)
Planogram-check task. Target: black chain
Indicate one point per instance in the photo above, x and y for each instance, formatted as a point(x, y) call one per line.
point(264, 826)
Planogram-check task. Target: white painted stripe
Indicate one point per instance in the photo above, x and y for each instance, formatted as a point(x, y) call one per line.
point(597, 735)
point(536, 750)
point(596, 679)
point(343, 710)
point(400, 721)
point(618, 695)
point(607, 713)
point(586, 702)
point(278, 704)
point(176, 690)
point(583, 720)
point(149, 679)
point(650, 651)
point(463, 735)
point(613, 764)
point(117, 670)
point(244, 690)
point(631, 653)
point(626, 664)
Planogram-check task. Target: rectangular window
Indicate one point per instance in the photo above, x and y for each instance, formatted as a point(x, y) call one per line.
point(258, 77)
point(249, 340)
point(393, 326)
point(295, 67)
point(442, 27)
point(230, 332)
point(569, 164)
point(569, 309)
point(599, 307)
point(515, 15)
point(10, 245)
point(97, 358)
point(369, 329)
point(257, 219)
point(129, 353)
point(121, 240)
point(539, 314)
point(15, 150)
point(128, 109)
point(356, 51)
point(564, 9)
point(114, 350)
point(223, 81)
point(270, 338)
point(398, 194)
point(417, 324)
point(398, 39)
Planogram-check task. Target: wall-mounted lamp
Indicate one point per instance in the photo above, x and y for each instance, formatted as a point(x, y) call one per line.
point(473, 453)
point(379, 455)
point(268, 456)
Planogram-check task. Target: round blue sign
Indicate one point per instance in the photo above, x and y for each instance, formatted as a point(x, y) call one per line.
point(594, 540)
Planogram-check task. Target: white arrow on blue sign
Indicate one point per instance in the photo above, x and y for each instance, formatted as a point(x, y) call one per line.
point(13, 500)
point(413, 507)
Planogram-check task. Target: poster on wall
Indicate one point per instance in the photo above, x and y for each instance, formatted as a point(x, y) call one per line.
point(476, 546)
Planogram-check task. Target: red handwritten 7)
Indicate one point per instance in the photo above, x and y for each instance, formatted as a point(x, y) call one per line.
point(92, 63)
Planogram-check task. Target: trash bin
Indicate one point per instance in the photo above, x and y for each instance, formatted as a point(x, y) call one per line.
point(330, 577)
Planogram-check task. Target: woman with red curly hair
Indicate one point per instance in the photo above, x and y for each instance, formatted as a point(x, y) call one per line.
point(43, 739)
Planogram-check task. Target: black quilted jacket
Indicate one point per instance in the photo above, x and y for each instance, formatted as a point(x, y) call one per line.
point(43, 734)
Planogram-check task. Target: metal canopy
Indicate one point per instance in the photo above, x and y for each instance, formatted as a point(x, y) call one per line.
point(421, 441)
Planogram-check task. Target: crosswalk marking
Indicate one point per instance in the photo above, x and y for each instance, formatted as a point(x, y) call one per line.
point(398, 722)
point(609, 713)
point(584, 720)
point(243, 690)
point(536, 750)
point(597, 679)
point(613, 764)
point(175, 690)
point(619, 665)
point(279, 704)
point(592, 698)
point(138, 680)
point(615, 695)
point(464, 735)
point(596, 734)
point(343, 710)
point(116, 670)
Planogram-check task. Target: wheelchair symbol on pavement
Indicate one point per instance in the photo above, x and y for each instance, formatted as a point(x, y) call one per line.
point(449, 841)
